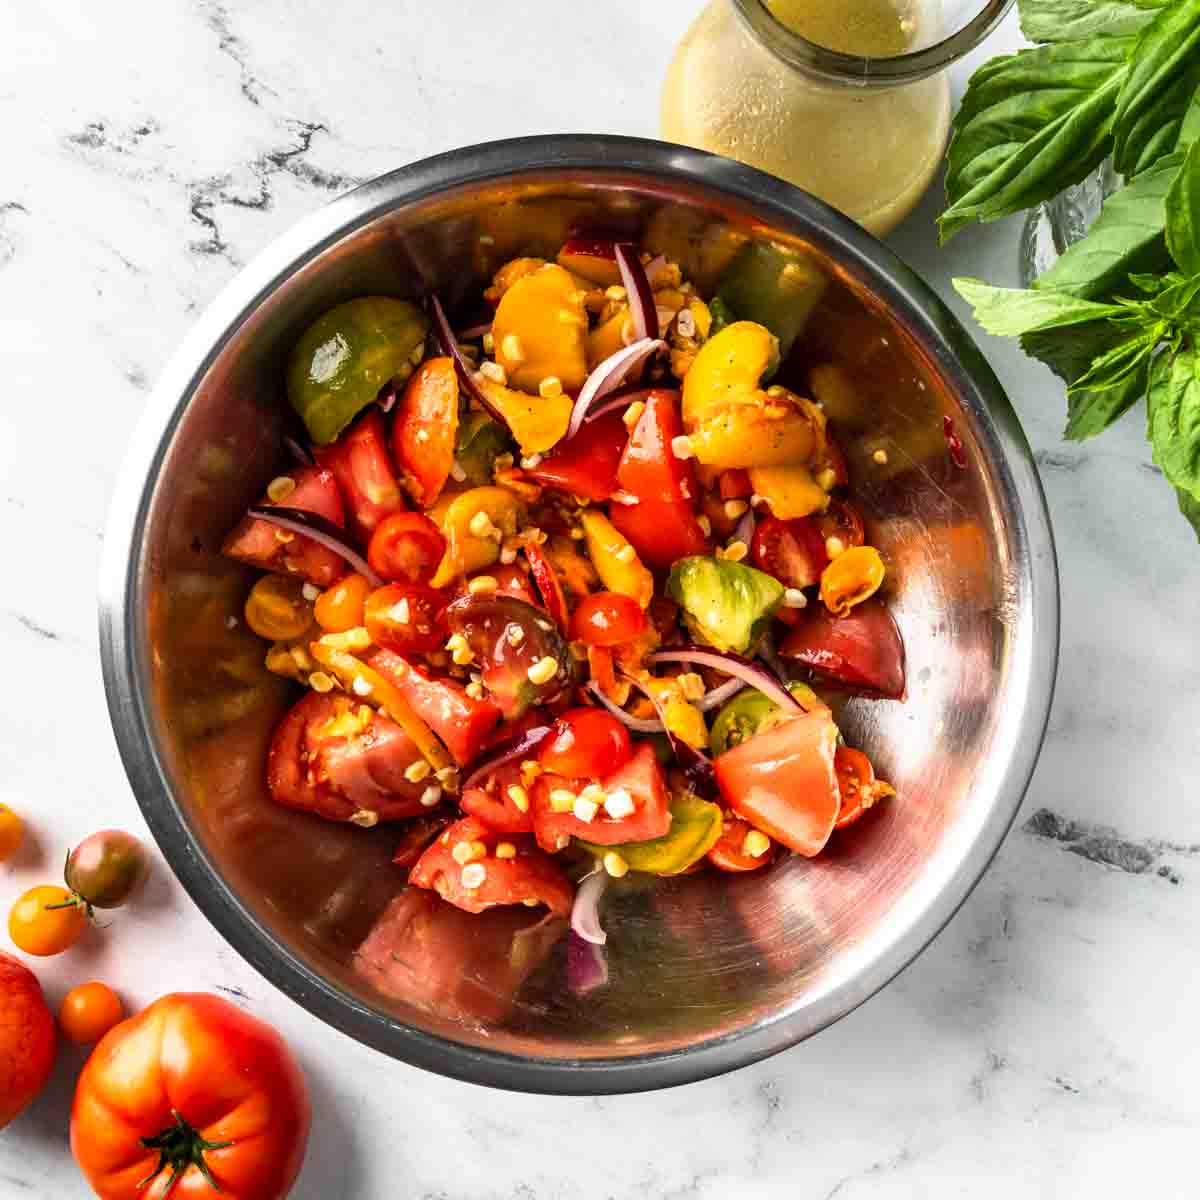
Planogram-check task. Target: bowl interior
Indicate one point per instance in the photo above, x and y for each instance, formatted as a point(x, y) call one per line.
point(701, 961)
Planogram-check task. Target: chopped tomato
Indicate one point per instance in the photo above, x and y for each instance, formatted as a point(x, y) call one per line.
point(793, 551)
point(462, 722)
point(360, 464)
point(554, 601)
point(406, 547)
point(859, 788)
point(587, 743)
point(342, 606)
point(591, 258)
point(586, 465)
point(835, 460)
point(607, 619)
point(842, 521)
point(485, 880)
point(862, 651)
point(735, 485)
point(602, 670)
point(341, 760)
point(405, 617)
point(416, 836)
point(729, 854)
point(424, 428)
point(270, 548)
point(494, 804)
point(640, 778)
point(662, 525)
point(782, 781)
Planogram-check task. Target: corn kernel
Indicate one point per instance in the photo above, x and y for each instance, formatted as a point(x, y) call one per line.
point(736, 551)
point(519, 797)
point(506, 850)
point(880, 456)
point(280, 488)
point(562, 800)
point(473, 876)
point(834, 546)
point(691, 685)
point(482, 584)
point(481, 525)
point(489, 343)
point(633, 414)
point(550, 387)
point(756, 844)
point(735, 509)
point(615, 865)
point(543, 670)
point(320, 682)
point(431, 797)
point(619, 803)
point(510, 347)
point(585, 810)
point(365, 818)
point(681, 446)
point(493, 371)
point(353, 639)
point(794, 598)
point(416, 771)
point(362, 687)
point(474, 689)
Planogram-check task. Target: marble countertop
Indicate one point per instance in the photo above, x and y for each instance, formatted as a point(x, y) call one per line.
point(1043, 1046)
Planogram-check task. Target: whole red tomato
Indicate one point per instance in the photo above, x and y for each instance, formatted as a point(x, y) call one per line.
point(190, 1093)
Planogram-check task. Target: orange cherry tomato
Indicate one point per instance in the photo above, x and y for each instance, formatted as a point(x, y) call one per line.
point(857, 784)
point(586, 743)
point(424, 429)
point(607, 619)
point(276, 608)
point(734, 853)
point(406, 548)
point(89, 1011)
point(340, 607)
point(46, 920)
point(406, 617)
point(12, 832)
point(191, 1099)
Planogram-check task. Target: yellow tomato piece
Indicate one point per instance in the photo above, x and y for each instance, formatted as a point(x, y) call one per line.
point(681, 717)
point(474, 524)
point(537, 422)
point(607, 338)
point(727, 371)
point(615, 560)
point(791, 490)
point(540, 330)
point(276, 608)
point(852, 577)
point(508, 274)
point(577, 574)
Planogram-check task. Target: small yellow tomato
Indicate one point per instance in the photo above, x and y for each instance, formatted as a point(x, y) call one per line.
point(277, 609)
point(853, 576)
point(12, 830)
point(89, 1011)
point(46, 920)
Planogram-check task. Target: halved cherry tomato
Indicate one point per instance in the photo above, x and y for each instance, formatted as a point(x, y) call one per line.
point(862, 651)
point(641, 777)
point(586, 743)
point(662, 525)
point(586, 465)
point(793, 551)
point(494, 803)
point(842, 521)
point(859, 788)
point(406, 547)
point(416, 837)
point(89, 1011)
point(360, 464)
point(270, 548)
point(782, 781)
point(607, 619)
point(511, 580)
point(424, 429)
point(486, 880)
point(343, 605)
point(735, 485)
point(276, 608)
point(554, 601)
point(729, 854)
point(406, 617)
point(462, 722)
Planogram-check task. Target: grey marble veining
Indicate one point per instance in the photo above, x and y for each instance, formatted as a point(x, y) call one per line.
point(1044, 1046)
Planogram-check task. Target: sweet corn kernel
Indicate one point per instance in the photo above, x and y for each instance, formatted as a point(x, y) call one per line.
point(320, 682)
point(514, 635)
point(619, 803)
point(280, 488)
point(735, 509)
point(431, 797)
point(481, 525)
point(756, 844)
point(362, 687)
point(416, 771)
point(633, 414)
point(482, 584)
point(365, 818)
point(736, 551)
point(593, 792)
point(585, 810)
point(506, 850)
point(794, 598)
point(353, 639)
point(691, 685)
point(456, 472)
point(543, 670)
point(399, 612)
point(510, 347)
point(562, 800)
point(531, 462)
point(880, 456)
point(474, 689)
point(615, 865)
point(834, 546)
point(519, 797)
point(616, 292)
point(550, 387)
point(493, 371)
point(489, 343)
point(681, 446)
point(473, 876)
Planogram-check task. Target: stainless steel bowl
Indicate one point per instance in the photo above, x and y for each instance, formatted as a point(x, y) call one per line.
point(708, 972)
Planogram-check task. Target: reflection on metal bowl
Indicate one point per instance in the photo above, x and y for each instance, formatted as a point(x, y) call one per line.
point(706, 972)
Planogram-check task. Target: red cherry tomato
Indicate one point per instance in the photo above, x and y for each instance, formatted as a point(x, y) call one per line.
point(586, 465)
point(857, 785)
point(843, 521)
point(730, 854)
point(607, 619)
point(406, 617)
point(406, 547)
point(586, 743)
point(793, 551)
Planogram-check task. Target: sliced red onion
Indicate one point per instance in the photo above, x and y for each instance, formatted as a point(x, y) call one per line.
point(585, 912)
point(587, 965)
point(621, 398)
point(756, 675)
point(475, 331)
point(637, 289)
point(770, 655)
point(444, 336)
point(326, 533)
point(744, 532)
point(388, 395)
point(634, 724)
point(696, 766)
point(505, 752)
point(719, 695)
point(654, 266)
point(297, 451)
point(609, 375)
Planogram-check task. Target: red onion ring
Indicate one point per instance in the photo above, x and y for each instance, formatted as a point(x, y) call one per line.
point(622, 398)
point(609, 375)
point(654, 266)
point(719, 695)
point(475, 331)
point(388, 395)
point(297, 451)
point(325, 533)
point(637, 290)
point(587, 966)
point(744, 532)
point(752, 673)
point(504, 753)
point(634, 724)
point(444, 336)
point(585, 912)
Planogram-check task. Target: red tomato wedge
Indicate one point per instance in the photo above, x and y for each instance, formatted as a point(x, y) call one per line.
point(554, 600)
point(462, 723)
point(255, 542)
point(586, 743)
point(586, 465)
point(486, 881)
point(338, 775)
point(591, 258)
point(493, 803)
point(405, 617)
point(641, 777)
point(783, 781)
point(792, 551)
point(728, 854)
point(607, 619)
point(862, 651)
point(360, 464)
point(424, 427)
point(417, 835)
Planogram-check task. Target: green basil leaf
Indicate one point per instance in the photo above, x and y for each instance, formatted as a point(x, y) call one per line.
point(1189, 505)
point(1183, 214)
point(1091, 411)
point(1126, 239)
point(1175, 303)
point(1189, 129)
point(1008, 312)
point(1157, 131)
point(1071, 356)
point(1072, 20)
point(1129, 356)
point(1166, 50)
point(1173, 414)
point(1039, 120)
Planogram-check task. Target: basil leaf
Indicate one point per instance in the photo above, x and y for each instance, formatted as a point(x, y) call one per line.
point(1126, 239)
point(1092, 410)
point(1008, 312)
point(1165, 51)
point(1071, 357)
point(1072, 20)
point(1159, 129)
point(1183, 214)
point(1128, 357)
point(1189, 129)
point(1189, 505)
point(1030, 124)
point(1173, 412)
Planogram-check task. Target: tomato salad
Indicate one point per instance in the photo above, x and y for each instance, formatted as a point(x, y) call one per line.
point(551, 582)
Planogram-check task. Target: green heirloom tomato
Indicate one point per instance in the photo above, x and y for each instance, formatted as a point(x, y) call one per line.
point(345, 357)
point(696, 827)
point(480, 442)
point(726, 604)
point(750, 712)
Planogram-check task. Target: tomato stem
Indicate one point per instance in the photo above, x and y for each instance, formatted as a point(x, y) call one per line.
point(180, 1147)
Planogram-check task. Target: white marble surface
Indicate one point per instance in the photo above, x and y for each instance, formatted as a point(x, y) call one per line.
point(1044, 1046)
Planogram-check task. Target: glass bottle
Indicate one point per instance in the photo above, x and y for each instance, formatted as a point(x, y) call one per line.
point(847, 99)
